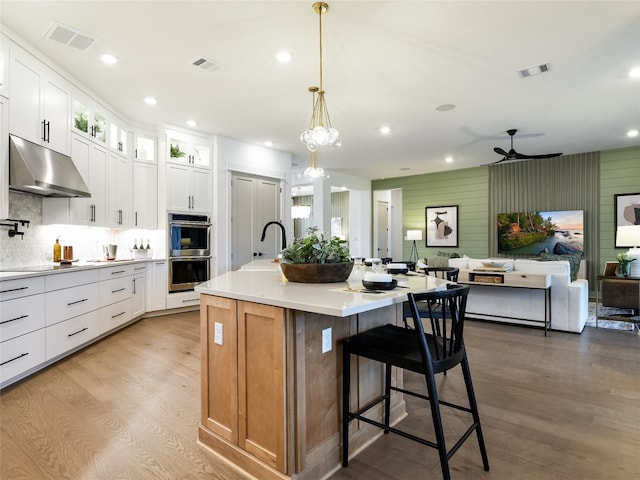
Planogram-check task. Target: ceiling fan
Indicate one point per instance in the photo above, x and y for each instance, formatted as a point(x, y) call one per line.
point(513, 155)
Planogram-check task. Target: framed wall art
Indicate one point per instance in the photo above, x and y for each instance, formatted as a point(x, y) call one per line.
point(442, 226)
point(626, 212)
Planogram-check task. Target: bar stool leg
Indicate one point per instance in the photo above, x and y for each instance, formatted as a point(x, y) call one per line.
point(387, 396)
point(466, 372)
point(346, 391)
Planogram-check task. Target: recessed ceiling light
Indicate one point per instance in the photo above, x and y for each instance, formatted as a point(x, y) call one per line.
point(283, 57)
point(449, 159)
point(268, 143)
point(632, 133)
point(634, 72)
point(108, 58)
point(445, 107)
point(385, 130)
point(192, 123)
point(150, 101)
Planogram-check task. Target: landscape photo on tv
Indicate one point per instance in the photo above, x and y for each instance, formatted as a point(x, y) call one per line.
point(532, 233)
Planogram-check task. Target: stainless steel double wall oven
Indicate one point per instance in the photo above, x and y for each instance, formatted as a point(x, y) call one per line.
point(189, 250)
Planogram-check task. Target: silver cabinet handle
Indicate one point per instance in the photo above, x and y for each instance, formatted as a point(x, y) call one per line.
point(118, 315)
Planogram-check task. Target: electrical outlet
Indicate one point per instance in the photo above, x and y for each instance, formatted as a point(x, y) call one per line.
point(326, 340)
point(218, 333)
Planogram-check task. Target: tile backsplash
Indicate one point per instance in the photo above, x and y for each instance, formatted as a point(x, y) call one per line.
point(36, 245)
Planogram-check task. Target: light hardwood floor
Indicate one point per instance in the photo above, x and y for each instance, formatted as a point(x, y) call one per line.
point(562, 407)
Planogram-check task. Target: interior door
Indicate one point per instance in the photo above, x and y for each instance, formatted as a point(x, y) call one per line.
point(382, 238)
point(255, 202)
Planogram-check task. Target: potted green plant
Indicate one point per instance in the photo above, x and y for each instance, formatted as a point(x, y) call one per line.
point(315, 259)
point(625, 264)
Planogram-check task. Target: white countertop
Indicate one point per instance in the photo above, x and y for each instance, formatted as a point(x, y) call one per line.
point(52, 269)
point(268, 286)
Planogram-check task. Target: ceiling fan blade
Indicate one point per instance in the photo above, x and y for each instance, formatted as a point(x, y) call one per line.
point(500, 151)
point(546, 155)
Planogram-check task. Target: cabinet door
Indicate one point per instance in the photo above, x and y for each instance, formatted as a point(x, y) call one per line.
point(145, 195)
point(138, 292)
point(219, 366)
point(178, 195)
point(21, 354)
point(120, 191)
point(26, 97)
point(157, 286)
point(201, 187)
point(261, 382)
point(145, 149)
point(57, 114)
point(91, 160)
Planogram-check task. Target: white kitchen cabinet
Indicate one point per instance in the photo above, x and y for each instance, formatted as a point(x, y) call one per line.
point(156, 285)
point(5, 48)
point(89, 119)
point(114, 315)
point(21, 354)
point(186, 149)
point(115, 290)
point(91, 160)
point(138, 291)
point(183, 299)
point(66, 336)
point(4, 157)
point(71, 302)
point(188, 189)
point(120, 191)
point(22, 321)
point(145, 148)
point(118, 136)
point(41, 102)
point(145, 195)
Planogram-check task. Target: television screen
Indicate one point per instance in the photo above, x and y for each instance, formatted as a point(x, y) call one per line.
point(532, 233)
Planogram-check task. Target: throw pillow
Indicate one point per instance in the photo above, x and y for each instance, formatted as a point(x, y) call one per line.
point(572, 258)
point(448, 254)
point(438, 262)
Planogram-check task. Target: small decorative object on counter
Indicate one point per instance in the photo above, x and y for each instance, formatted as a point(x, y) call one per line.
point(57, 251)
point(135, 244)
point(624, 270)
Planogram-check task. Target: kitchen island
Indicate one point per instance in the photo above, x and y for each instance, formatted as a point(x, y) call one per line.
point(272, 367)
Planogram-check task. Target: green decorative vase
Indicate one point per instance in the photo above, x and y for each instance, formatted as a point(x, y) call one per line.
point(624, 269)
point(317, 272)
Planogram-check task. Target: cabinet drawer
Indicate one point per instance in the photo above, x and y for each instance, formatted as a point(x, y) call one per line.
point(72, 302)
point(67, 335)
point(21, 354)
point(10, 289)
point(115, 290)
point(115, 272)
point(21, 315)
point(60, 281)
point(115, 315)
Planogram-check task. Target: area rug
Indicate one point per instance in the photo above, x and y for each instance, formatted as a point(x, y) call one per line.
point(591, 321)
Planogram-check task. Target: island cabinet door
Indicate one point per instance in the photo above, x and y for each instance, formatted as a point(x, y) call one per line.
point(261, 382)
point(219, 367)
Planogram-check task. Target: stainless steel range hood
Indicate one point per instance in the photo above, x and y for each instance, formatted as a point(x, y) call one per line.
point(41, 171)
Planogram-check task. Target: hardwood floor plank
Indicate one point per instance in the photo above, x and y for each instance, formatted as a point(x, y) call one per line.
point(562, 407)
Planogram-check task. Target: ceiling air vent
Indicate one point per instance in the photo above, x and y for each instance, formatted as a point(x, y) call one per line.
point(69, 36)
point(208, 65)
point(535, 70)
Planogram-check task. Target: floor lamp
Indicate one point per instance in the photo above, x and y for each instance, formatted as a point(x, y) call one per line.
point(414, 235)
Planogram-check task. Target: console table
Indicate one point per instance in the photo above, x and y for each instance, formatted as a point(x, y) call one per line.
point(627, 291)
point(489, 279)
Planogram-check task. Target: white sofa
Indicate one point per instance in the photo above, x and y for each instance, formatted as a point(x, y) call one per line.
point(569, 299)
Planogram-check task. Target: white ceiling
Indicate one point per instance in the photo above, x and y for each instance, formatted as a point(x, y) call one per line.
point(385, 63)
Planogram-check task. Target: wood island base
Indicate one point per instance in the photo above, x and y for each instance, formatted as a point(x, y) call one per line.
point(271, 399)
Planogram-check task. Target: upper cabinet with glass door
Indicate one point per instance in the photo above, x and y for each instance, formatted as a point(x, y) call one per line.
point(89, 119)
point(118, 136)
point(145, 148)
point(189, 149)
point(4, 66)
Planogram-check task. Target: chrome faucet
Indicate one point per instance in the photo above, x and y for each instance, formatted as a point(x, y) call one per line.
point(284, 235)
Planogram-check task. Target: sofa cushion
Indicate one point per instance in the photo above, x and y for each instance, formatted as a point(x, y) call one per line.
point(436, 262)
point(572, 258)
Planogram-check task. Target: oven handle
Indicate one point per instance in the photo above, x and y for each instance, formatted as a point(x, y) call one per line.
point(188, 223)
point(189, 259)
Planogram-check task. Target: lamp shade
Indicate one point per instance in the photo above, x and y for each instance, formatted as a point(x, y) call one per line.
point(628, 236)
point(414, 235)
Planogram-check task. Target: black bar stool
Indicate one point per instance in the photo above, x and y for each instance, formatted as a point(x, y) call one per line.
point(428, 354)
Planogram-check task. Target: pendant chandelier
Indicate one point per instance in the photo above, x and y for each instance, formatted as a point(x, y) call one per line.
point(314, 171)
point(320, 132)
